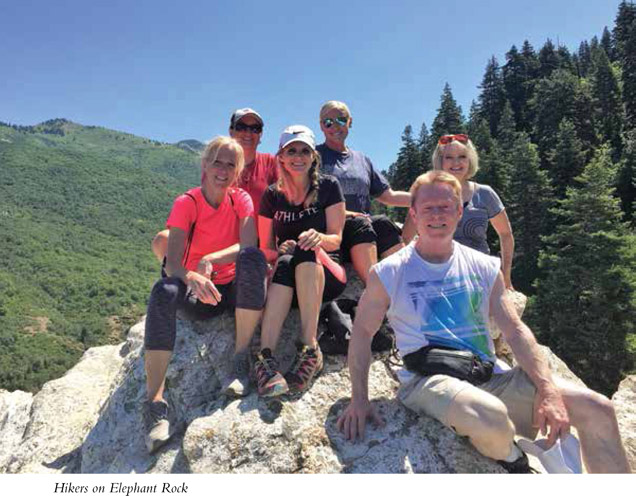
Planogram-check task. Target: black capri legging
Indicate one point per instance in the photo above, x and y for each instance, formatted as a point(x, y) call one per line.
point(170, 295)
point(378, 229)
point(285, 273)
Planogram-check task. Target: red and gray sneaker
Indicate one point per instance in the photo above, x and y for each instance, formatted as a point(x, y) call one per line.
point(270, 381)
point(306, 366)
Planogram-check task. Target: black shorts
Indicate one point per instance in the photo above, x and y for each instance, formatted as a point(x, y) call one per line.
point(378, 229)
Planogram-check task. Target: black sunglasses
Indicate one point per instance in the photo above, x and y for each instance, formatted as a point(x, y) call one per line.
point(329, 122)
point(242, 127)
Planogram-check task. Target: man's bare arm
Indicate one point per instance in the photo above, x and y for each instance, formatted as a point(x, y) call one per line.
point(369, 315)
point(550, 411)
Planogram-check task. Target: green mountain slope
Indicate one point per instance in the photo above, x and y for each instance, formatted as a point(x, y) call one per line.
point(78, 208)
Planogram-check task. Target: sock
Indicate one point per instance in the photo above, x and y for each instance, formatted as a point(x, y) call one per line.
point(515, 454)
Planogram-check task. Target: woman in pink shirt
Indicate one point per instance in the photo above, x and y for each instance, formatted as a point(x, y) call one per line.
point(212, 265)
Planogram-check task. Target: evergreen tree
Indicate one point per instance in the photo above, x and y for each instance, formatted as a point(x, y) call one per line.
point(565, 60)
point(530, 198)
point(493, 95)
point(583, 308)
point(623, 27)
point(425, 146)
point(408, 163)
point(626, 183)
point(628, 64)
point(608, 44)
point(548, 59)
point(553, 101)
point(567, 159)
point(584, 59)
point(449, 119)
point(607, 101)
point(515, 77)
point(507, 131)
point(479, 131)
point(583, 119)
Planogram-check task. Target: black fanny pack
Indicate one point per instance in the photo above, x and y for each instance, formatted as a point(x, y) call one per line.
point(435, 360)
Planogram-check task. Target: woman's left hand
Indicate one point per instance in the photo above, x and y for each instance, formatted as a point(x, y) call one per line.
point(310, 239)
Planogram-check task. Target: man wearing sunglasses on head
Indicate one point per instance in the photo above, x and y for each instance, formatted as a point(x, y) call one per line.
point(365, 238)
point(246, 126)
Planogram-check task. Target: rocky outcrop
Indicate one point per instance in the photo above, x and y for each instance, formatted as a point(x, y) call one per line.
point(90, 420)
point(625, 403)
point(52, 425)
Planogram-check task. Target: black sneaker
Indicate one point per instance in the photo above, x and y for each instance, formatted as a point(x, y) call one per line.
point(157, 424)
point(237, 383)
point(519, 466)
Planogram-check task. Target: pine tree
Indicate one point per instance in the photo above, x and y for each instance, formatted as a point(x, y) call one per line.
point(493, 95)
point(567, 159)
point(607, 101)
point(565, 60)
point(584, 59)
point(628, 64)
point(407, 165)
point(425, 146)
point(548, 59)
point(583, 119)
point(583, 308)
point(530, 199)
point(449, 119)
point(623, 26)
point(507, 131)
point(608, 44)
point(626, 183)
point(554, 100)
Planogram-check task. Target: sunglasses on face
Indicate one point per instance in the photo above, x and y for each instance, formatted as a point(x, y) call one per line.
point(242, 127)
point(341, 120)
point(447, 139)
point(295, 152)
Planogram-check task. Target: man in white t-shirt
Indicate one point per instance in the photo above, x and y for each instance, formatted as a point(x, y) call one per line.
point(437, 292)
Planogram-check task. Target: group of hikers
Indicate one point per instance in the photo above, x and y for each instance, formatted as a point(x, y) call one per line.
point(264, 233)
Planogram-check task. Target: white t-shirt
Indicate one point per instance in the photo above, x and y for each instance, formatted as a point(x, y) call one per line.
point(443, 304)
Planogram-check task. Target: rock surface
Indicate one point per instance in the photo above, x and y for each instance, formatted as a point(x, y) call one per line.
point(90, 419)
point(61, 414)
point(625, 403)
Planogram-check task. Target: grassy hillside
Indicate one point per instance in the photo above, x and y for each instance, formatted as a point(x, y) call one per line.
point(78, 207)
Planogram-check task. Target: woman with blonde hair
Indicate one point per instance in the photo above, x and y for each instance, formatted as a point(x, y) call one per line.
point(456, 154)
point(212, 265)
point(301, 219)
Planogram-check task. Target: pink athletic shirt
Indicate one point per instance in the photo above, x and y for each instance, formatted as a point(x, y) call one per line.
point(260, 174)
point(215, 229)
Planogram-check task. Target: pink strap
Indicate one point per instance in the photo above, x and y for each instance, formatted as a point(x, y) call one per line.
point(336, 269)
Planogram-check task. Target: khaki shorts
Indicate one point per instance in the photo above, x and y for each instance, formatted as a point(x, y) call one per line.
point(434, 396)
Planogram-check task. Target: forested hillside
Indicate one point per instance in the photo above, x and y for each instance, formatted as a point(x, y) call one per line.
point(78, 207)
point(556, 133)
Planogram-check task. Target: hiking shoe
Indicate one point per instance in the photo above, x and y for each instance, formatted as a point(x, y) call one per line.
point(157, 424)
point(237, 383)
point(270, 381)
point(306, 366)
point(519, 466)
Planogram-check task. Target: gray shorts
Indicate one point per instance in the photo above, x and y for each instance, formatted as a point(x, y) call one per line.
point(434, 395)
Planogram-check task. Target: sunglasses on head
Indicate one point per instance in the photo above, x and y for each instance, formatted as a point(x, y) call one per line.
point(329, 122)
point(447, 139)
point(242, 127)
point(302, 152)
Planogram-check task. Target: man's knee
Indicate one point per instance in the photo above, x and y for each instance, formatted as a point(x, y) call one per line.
point(589, 408)
point(160, 244)
point(484, 418)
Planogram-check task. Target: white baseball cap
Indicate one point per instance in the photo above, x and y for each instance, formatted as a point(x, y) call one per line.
point(240, 113)
point(298, 133)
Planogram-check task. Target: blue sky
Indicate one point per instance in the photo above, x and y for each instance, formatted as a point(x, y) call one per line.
point(176, 70)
